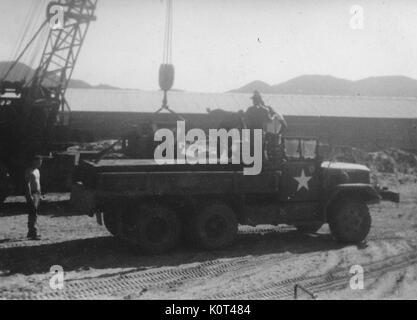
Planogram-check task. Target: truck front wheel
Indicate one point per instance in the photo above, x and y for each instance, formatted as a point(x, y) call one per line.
point(156, 229)
point(215, 226)
point(350, 221)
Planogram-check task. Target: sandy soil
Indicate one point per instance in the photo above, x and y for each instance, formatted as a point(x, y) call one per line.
point(264, 263)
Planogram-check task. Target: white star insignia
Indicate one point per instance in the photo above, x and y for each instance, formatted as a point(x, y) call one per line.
point(302, 181)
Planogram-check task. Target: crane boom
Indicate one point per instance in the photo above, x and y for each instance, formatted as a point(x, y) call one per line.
point(63, 46)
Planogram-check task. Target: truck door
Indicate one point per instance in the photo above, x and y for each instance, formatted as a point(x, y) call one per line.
point(300, 172)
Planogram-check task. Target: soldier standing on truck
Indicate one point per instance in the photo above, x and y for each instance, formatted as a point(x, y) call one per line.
point(257, 115)
point(33, 195)
point(261, 116)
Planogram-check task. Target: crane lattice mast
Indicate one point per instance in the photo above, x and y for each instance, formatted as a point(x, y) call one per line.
point(63, 46)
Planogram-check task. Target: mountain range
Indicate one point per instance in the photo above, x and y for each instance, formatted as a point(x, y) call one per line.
point(389, 86)
point(21, 71)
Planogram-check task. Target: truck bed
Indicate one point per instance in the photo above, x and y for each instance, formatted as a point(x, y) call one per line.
point(146, 178)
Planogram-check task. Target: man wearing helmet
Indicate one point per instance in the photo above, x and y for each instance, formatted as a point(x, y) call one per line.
point(260, 116)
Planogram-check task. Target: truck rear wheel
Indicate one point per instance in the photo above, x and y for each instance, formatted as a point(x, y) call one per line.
point(350, 221)
point(110, 222)
point(3, 197)
point(156, 229)
point(5, 188)
point(214, 227)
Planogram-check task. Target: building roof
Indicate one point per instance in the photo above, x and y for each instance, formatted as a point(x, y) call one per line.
point(289, 105)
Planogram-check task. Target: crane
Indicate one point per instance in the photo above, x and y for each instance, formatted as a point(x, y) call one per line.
point(36, 106)
point(59, 55)
point(33, 107)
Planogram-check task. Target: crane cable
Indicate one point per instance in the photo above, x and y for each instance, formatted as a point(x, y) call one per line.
point(20, 38)
point(33, 17)
point(167, 71)
point(35, 50)
point(167, 53)
point(25, 49)
point(24, 30)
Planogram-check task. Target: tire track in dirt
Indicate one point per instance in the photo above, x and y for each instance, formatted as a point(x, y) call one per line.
point(284, 228)
point(316, 284)
point(135, 282)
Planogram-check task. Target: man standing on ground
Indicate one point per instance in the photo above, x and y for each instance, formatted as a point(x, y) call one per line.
point(33, 195)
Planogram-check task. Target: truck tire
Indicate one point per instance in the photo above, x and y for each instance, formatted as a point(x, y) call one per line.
point(309, 228)
point(350, 221)
point(214, 227)
point(2, 198)
point(156, 229)
point(5, 188)
point(110, 222)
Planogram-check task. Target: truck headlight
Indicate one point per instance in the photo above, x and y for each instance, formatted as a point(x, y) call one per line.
point(344, 176)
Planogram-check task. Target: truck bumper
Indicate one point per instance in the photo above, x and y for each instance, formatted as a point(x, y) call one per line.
point(387, 195)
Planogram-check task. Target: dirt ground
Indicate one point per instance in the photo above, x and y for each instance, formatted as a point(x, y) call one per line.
point(265, 262)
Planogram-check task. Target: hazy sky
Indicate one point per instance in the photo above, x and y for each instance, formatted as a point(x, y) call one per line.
point(223, 44)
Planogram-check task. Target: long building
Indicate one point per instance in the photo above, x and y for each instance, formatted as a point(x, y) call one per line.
point(371, 123)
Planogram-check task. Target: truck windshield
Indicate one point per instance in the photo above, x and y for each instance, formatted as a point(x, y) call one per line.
point(292, 148)
point(300, 148)
point(309, 148)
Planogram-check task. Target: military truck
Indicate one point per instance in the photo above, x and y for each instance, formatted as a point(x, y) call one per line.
point(155, 206)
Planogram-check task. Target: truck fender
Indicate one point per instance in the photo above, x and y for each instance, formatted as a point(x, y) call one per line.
point(365, 192)
point(387, 195)
point(82, 200)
